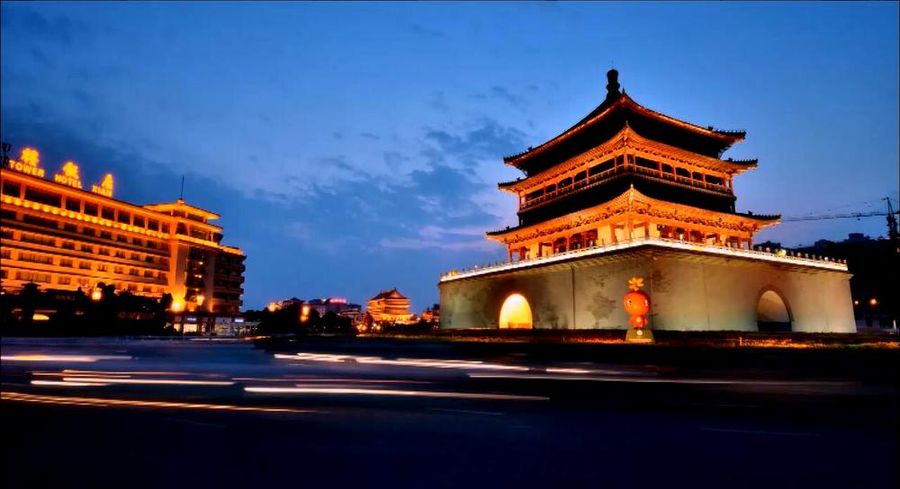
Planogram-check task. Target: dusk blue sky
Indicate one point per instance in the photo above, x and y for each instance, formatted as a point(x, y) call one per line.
point(356, 147)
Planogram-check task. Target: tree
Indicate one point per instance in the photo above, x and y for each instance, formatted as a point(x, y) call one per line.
point(29, 297)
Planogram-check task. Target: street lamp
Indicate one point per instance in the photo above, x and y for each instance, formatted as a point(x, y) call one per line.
point(96, 295)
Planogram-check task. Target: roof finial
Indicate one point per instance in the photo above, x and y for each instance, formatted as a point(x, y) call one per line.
point(612, 83)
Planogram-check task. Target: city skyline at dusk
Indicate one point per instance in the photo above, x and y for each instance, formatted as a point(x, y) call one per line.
point(349, 154)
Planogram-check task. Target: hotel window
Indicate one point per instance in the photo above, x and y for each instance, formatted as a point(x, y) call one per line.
point(102, 267)
point(88, 231)
point(87, 248)
point(67, 245)
point(104, 251)
point(139, 221)
point(64, 280)
point(153, 225)
point(71, 228)
point(65, 262)
point(105, 235)
point(121, 238)
point(149, 259)
point(148, 273)
point(34, 238)
point(40, 221)
point(35, 195)
point(90, 209)
point(3, 274)
point(137, 242)
point(118, 270)
point(165, 228)
point(73, 205)
point(33, 276)
point(5, 254)
point(84, 265)
point(7, 233)
point(132, 271)
point(151, 244)
point(124, 217)
point(146, 289)
point(12, 189)
point(36, 258)
point(107, 213)
point(9, 215)
point(135, 256)
point(120, 254)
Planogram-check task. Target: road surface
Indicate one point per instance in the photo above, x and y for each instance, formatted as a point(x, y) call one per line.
point(183, 413)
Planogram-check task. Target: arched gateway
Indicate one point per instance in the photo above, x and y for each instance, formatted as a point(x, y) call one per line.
point(515, 313)
point(772, 313)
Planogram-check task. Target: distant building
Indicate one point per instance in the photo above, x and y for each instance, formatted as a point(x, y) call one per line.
point(337, 305)
point(390, 307)
point(432, 314)
point(60, 235)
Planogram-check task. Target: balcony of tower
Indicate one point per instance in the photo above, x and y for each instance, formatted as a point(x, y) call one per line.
point(706, 183)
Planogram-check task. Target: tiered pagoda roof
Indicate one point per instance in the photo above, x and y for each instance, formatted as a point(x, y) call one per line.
point(614, 113)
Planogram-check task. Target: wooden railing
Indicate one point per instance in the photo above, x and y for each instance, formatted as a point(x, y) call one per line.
point(607, 175)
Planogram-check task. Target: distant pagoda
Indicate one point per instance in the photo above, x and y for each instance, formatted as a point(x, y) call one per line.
point(626, 172)
point(389, 307)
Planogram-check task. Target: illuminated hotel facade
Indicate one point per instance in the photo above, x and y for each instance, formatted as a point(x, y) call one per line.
point(60, 236)
point(628, 191)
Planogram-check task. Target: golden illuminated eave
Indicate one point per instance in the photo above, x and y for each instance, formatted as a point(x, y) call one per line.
point(637, 206)
point(623, 100)
point(180, 205)
point(626, 141)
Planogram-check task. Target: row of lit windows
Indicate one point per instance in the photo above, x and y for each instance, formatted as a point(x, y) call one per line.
point(86, 248)
point(13, 189)
point(85, 230)
point(46, 278)
point(82, 264)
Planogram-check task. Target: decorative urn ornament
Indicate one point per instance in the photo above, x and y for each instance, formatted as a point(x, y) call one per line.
point(637, 305)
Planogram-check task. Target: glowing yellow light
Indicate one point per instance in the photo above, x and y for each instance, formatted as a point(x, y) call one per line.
point(105, 187)
point(272, 307)
point(515, 313)
point(635, 283)
point(873, 301)
point(40, 317)
point(69, 175)
point(27, 163)
point(30, 156)
point(200, 299)
point(177, 305)
point(96, 295)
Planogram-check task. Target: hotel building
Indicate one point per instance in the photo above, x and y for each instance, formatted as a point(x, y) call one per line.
point(60, 236)
point(628, 191)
